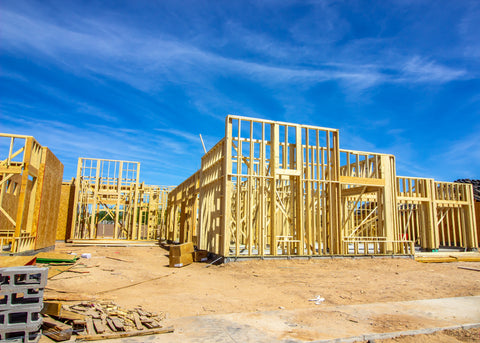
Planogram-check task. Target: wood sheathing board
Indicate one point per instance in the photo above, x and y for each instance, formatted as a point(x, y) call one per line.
point(48, 199)
point(28, 205)
point(65, 210)
point(477, 217)
point(9, 204)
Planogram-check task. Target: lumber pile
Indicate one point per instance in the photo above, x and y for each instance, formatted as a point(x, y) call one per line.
point(99, 320)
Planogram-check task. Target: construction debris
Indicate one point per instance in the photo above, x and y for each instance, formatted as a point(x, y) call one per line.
point(15, 261)
point(468, 268)
point(51, 257)
point(56, 330)
point(99, 320)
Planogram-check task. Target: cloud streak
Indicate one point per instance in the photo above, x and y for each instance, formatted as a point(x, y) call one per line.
point(148, 63)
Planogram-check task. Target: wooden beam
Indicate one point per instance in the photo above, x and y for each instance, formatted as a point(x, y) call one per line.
point(350, 180)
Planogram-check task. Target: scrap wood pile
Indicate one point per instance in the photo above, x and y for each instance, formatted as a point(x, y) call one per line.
point(99, 320)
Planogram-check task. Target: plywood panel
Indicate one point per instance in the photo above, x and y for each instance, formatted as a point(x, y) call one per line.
point(477, 218)
point(65, 210)
point(51, 174)
point(9, 204)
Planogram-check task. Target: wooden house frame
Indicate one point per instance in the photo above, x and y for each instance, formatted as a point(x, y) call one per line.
point(281, 189)
point(30, 184)
point(111, 203)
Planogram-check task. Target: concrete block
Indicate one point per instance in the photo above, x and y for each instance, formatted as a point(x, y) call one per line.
point(30, 299)
point(26, 335)
point(14, 278)
point(20, 320)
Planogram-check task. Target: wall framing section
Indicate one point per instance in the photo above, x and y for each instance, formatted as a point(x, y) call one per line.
point(281, 189)
point(30, 186)
point(111, 203)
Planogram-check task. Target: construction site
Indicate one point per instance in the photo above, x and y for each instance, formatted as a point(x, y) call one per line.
point(280, 236)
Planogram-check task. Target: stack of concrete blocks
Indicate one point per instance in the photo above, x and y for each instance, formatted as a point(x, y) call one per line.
point(21, 300)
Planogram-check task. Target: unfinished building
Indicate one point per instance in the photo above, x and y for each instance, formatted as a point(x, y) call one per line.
point(110, 203)
point(30, 183)
point(282, 189)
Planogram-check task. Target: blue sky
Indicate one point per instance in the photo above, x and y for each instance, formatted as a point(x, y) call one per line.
point(139, 80)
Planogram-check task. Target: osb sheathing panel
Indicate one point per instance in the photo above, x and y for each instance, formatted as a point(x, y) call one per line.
point(65, 210)
point(9, 204)
point(477, 217)
point(26, 208)
point(50, 178)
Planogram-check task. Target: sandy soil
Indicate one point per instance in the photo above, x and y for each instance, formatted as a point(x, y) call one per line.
point(447, 336)
point(250, 286)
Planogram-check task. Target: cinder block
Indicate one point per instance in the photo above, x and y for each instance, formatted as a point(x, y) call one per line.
point(26, 335)
point(181, 249)
point(14, 278)
point(30, 299)
point(20, 320)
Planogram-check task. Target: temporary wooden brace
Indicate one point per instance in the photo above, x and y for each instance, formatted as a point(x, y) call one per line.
point(111, 203)
point(30, 183)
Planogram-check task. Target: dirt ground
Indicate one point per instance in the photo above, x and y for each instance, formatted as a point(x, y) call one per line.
point(250, 286)
point(447, 336)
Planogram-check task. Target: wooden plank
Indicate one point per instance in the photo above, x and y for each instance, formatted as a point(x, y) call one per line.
point(350, 180)
point(138, 323)
point(126, 334)
point(469, 268)
point(54, 308)
point(110, 324)
point(56, 330)
point(117, 323)
point(89, 326)
point(99, 325)
point(11, 169)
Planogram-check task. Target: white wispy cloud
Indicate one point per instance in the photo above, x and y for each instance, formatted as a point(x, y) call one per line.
point(421, 70)
point(148, 63)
